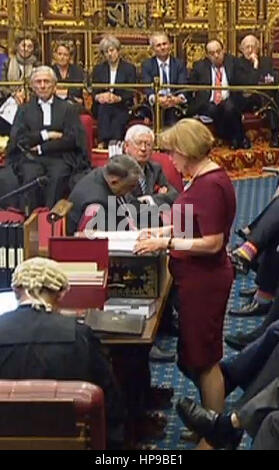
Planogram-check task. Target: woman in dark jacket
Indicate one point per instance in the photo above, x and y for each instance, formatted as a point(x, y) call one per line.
point(67, 71)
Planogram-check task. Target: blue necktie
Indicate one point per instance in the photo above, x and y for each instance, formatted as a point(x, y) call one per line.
point(164, 73)
point(142, 183)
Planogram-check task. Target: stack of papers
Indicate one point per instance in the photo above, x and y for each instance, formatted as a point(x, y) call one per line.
point(144, 307)
point(83, 273)
point(118, 241)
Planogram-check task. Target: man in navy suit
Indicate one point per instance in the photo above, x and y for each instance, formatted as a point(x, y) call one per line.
point(170, 70)
point(218, 69)
point(111, 105)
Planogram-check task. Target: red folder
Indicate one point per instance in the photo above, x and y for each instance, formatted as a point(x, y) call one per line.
point(82, 249)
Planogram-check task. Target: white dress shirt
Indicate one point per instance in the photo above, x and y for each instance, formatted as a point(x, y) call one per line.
point(46, 108)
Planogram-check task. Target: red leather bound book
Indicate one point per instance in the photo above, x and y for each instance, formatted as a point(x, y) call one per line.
point(81, 249)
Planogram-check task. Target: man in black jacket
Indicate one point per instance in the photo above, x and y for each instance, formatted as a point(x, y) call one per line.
point(100, 196)
point(51, 133)
point(251, 69)
point(255, 370)
point(36, 342)
point(218, 69)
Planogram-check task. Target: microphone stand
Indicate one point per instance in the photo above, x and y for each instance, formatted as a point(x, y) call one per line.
point(16, 192)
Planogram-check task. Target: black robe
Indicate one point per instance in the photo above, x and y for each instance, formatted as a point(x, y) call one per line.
point(38, 345)
point(61, 159)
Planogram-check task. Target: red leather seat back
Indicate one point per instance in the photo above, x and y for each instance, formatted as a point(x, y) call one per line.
point(87, 122)
point(12, 216)
point(88, 401)
point(171, 173)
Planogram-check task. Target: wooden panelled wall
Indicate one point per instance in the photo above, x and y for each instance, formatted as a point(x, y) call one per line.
point(190, 23)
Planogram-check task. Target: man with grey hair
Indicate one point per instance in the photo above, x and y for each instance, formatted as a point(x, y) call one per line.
point(152, 191)
point(170, 70)
point(100, 196)
point(111, 105)
point(251, 69)
point(153, 187)
point(47, 138)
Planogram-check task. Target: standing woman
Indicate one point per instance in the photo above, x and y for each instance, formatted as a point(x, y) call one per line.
point(111, 105)
point(201, 269)
point(67, 71)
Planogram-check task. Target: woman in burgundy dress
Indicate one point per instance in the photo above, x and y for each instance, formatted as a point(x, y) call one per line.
point(201, 269)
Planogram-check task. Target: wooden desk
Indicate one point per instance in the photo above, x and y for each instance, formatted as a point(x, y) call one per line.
point(130, 361)
point(151, 326)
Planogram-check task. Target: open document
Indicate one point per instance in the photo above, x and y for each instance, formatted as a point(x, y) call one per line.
point(121, 240)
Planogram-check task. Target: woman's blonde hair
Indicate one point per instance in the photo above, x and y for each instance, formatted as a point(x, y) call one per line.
point(189, 137)
point(68, 44)
point(36, 274)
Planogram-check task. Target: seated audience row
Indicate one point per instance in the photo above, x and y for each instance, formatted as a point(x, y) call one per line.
point(111, 105)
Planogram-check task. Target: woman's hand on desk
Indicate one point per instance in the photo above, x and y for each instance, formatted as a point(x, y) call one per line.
point(149, 233)
point(150, 245)
point(155, 232)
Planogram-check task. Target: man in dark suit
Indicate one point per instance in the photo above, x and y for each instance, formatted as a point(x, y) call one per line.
point(51, 133)
point(111, 106)
point(255, 370)
point(251, 69)
point(170, 70)
point(100, 197)
point(218, 69)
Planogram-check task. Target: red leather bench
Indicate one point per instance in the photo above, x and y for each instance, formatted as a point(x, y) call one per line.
point(51, 414)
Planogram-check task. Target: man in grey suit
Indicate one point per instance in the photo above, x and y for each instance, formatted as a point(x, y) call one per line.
point(170, 70)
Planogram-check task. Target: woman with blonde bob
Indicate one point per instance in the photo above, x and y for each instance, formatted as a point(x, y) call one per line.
point(199, 264)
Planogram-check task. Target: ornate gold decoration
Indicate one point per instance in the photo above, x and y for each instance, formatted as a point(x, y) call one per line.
point(137, 13)
point(116, 14)
point(197, 9)
point(61, 7)
point(157, 9)
point(247, 10)
point(3, 7)
point(91, 7)
point(18, 13)
point(194, 52)
point(135, 54)
point(170, 9)
point(272, 8)
point(221, 9)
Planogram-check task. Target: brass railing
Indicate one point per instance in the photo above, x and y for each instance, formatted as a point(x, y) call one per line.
point(157, 86)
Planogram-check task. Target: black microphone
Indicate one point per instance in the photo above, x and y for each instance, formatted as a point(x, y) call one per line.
point(40, 181)
point(26, 152)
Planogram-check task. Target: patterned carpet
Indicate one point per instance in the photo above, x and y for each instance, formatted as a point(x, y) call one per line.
point(252, 196)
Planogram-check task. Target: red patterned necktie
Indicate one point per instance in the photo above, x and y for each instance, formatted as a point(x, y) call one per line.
point(218, 82)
